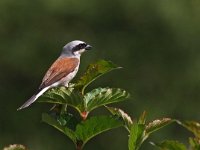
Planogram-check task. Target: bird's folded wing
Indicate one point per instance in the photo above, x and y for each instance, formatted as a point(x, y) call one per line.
point(59, 69)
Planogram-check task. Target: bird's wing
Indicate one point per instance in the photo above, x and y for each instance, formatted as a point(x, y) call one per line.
point(59, 69)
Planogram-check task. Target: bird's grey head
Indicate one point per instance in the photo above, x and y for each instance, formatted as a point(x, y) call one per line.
point(75, 48)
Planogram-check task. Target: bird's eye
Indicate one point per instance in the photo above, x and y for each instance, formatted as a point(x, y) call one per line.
point(80, 46)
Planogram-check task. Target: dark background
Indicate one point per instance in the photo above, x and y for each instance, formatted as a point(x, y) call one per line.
point(156, 42)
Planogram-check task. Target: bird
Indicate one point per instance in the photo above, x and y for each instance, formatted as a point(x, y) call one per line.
point(62, 71)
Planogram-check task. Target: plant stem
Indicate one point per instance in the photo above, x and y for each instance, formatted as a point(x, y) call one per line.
point(64, 108)
point(84, 115)
point(79, 145)
point(79, 148)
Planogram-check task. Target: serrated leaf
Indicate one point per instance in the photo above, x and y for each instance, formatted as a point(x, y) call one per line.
point(119, 112)
point(136, 136)
point(157, 124)
point(63, 128)
point(194, 143)
point(170, 145)
point(94, 71)
point(192, 126)
point(96, 125)
point(15, 147)
point(103, 96)
point(63, 95)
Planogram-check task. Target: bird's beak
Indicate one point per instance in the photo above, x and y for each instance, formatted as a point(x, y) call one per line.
point(88, 47)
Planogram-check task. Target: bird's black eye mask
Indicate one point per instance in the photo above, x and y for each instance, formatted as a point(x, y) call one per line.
point(79, 47)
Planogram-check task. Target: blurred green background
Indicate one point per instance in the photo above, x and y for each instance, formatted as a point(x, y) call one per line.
point(156, 42)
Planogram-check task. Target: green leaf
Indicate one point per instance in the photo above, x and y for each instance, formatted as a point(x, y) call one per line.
point(68, 120)
point(170, 145)
point(96, 125)
point(63, 95)
point(192, 126)
point(96, 98)
point(103, 96)
point(66, 128)
point(94, 71)
point(142, 133)
point(85, 130)
point(136, 136)
point(119, 112)
point(157, 124)
point(15, 147)
point(194, 143)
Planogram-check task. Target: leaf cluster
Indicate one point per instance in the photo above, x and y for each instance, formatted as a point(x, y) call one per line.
point(81, 129)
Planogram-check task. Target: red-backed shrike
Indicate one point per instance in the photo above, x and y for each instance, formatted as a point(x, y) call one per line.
point(62, 70)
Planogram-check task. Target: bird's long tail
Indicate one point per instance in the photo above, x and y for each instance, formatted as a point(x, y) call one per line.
point(33, 98)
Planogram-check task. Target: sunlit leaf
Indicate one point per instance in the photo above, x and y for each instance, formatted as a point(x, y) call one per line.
point(15, 147)
point(66, 128)
point(157, 124)
point(63, 95)
point(94, 71)
point(136, 136)
point(119, 112)
point(170, 145)
point(192, 126)
point(96, 125)
point(103, 96)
